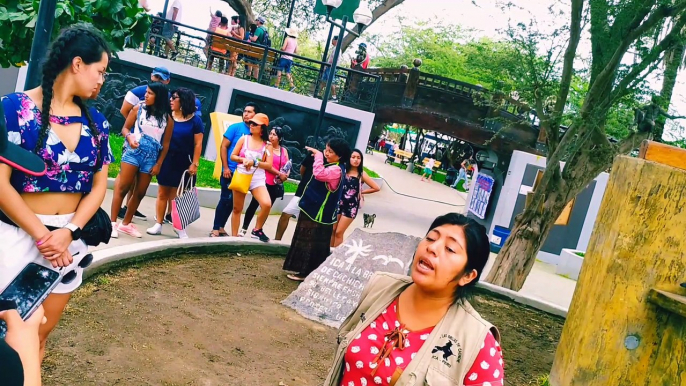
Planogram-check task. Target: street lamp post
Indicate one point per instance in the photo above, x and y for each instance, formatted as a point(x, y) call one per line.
point(41, 40)
point(363, 17)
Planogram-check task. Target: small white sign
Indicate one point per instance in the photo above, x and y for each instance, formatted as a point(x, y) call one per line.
point(525, 189)
point(496, 239)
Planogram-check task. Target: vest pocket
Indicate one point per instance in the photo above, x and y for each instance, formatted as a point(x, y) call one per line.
point(436, 378)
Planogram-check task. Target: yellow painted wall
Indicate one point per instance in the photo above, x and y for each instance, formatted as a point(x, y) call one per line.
point(638, 243)
point(220, 122)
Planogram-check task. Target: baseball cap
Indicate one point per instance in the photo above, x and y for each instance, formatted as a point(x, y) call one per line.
point(261, 119)
point(15, 156)
point(261, 19)
point(162, 72)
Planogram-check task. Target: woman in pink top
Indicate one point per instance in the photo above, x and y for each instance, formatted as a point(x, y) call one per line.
point(318, 207)
point(275, 176)
point(290, 45)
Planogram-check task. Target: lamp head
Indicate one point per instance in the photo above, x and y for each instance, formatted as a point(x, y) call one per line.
point(363, 16)
point(331, 5)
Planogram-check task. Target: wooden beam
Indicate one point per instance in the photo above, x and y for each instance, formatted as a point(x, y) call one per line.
point(664, 154)
point(669, 301)
point(613, 335)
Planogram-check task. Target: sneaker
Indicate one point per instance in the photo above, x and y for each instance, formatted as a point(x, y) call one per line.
point(115, 234)
point(130, 230)
point(242, 232)
point(181, 233)
point(140, 216)
point(155, 229)
point(259, 234)
point(122, 213)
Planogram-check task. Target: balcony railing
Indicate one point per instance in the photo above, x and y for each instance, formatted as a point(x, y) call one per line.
point(353, 88)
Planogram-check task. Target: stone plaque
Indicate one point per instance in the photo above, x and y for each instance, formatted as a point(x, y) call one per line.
point(332, 291)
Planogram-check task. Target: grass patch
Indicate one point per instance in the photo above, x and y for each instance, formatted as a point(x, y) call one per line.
point(371, 173)
point(205, 170)
point(581, 254)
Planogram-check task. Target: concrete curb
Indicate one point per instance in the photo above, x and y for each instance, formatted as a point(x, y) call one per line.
point(209, 197)
point(516, 297)
point(109, 258)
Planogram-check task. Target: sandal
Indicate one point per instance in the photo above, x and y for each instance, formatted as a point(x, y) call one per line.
point(295, 277)
point(219, 234)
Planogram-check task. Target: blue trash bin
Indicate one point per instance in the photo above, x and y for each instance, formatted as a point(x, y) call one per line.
point(500, 235)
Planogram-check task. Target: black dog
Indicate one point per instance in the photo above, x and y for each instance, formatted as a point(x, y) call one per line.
point(446, 350)
point(369, 220)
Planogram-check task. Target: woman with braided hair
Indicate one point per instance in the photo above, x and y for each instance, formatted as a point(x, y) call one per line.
point(42, 216)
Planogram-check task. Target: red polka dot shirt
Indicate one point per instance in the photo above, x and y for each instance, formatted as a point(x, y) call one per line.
point(366, 364)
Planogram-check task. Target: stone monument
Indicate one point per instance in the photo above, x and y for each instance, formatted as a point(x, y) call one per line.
point(332, 291)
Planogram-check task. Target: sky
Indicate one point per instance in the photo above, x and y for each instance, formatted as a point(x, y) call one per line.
point(486, 20)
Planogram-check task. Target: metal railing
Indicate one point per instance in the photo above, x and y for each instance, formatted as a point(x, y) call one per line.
point(351, 87)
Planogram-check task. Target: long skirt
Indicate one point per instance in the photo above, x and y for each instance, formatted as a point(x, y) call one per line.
point(310, 246)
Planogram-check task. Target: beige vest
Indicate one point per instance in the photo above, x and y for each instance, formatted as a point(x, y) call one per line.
point(456, 339)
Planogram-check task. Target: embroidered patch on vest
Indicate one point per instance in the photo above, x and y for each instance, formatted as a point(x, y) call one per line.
point(445, 352)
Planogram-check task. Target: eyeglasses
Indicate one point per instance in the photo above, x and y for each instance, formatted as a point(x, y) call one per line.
point(84, 263)
point(253, 124)
point(174, 97)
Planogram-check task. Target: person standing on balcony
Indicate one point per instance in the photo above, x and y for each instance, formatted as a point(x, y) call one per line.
point(222, 29)
point(237, 32)
point(174, 14)
point(261, 36)
point(290, 45)
point(330, 70)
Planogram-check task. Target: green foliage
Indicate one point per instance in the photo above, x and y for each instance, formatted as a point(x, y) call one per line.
point(448, 50)
point(205, 171)
point(371, 173)
point(118, 19)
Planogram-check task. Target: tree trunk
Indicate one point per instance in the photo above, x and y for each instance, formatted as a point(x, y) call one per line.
point(376, 14)
point(531, 227)
point(244, 9)
point(673, 62)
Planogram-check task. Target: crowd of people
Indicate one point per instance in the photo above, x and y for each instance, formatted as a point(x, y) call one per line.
point(54, 160)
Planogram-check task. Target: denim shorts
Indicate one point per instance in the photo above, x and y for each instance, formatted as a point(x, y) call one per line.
point(145, 156)
point(285, 65)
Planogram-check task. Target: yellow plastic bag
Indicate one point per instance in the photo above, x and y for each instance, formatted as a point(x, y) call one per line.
point(241, 182)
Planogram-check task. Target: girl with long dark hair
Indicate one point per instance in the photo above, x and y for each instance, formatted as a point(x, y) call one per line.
point(148, 131)
point(42, 216)
point(352, 196)
point(253, 158)
point(184, 154)
point(318, 206)
point(275, 176)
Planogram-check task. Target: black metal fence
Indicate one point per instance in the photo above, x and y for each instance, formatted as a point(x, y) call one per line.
point(351, 87)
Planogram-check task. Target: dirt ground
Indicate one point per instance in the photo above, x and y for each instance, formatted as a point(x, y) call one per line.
point(216, 321)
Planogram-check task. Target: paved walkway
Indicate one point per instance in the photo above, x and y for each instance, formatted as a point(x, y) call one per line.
point(399, 212)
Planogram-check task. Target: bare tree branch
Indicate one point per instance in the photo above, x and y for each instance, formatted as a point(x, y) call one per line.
point(668, 42)
point(244, 9)
point(376, 14)
point(633, 141)
point(567, 72)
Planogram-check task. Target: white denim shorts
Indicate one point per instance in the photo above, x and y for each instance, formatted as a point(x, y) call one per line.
point(292, 208)
point(18, 249)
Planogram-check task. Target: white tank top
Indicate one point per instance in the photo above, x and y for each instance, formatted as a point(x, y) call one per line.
point(149, 125)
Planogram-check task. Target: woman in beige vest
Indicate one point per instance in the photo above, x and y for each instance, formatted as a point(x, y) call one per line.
point(421, 330)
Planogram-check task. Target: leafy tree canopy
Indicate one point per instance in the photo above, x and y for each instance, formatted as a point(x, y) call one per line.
point(118, 19)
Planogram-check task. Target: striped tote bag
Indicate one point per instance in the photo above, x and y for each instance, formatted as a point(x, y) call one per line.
point(185, 207)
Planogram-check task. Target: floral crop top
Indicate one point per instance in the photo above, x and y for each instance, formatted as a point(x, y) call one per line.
point(66, 171)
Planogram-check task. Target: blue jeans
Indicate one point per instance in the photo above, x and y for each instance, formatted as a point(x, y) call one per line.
point(225, 205)
point(462, 175)
point(144, 157)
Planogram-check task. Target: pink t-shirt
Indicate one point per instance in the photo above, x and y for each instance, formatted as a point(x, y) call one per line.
point(278, 161)
point(331, 174)
point(291, 45)
point(214, 22)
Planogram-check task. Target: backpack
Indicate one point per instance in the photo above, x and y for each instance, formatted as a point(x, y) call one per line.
point(266, 39)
